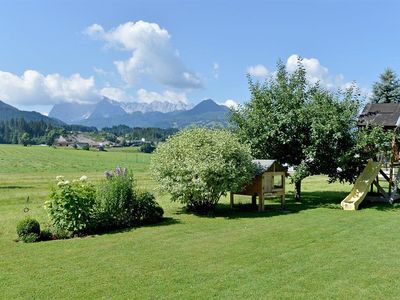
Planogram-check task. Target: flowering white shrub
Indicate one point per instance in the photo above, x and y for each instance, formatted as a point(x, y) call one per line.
point(198, 166)
point(72, 204)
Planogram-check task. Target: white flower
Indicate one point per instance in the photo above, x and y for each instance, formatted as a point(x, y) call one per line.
point(60, 178)
point(60, 183)
point(83, 178)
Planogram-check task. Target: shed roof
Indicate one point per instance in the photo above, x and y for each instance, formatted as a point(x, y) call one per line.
point(384, 114)
point(267, 165)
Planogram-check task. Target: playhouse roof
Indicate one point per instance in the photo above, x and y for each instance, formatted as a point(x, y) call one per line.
point(268, 165)
point(384, 114)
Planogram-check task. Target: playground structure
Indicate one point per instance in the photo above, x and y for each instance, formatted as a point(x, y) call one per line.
point(269, 181)
point(386, 115)
point(363, 187)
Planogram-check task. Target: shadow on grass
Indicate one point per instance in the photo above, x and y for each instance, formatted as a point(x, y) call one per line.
point(14, 187)
point(381, 206)
point(310, 200)
point(163, 222)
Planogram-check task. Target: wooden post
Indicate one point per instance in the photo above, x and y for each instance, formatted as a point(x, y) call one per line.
point(261, 201)
point(231, 199)
point(254, 200)
point(391, 176)
point(283, 201)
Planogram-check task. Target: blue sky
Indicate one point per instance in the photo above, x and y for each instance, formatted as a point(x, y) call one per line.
point(53, 51)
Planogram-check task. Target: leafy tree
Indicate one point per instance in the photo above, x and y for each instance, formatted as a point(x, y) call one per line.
point(52, 135)
point(199, 165)
point(147, 148)
point(387, 89)
point(24, 139)
point(298, 123)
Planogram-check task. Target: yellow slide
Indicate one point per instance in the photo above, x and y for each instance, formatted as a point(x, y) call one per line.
point(361, 186)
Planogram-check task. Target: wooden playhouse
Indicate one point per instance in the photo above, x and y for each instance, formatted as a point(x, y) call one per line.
point(269, 181)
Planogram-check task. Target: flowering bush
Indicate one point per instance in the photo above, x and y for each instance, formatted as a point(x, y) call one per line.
point(197, 166)
point(72, 205)
point(121, 205)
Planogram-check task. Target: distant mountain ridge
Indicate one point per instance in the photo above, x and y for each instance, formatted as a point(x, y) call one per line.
point(8, 112)
point(108, 113)
point(73, 112)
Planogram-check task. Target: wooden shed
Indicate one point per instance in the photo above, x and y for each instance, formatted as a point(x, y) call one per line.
point(269, 181)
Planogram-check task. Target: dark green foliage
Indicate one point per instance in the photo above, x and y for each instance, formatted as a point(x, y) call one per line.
point(387, 89)
point(146, 209)
point(28, 230)
point(121, 205)
point(46, 234)
point(20, 131)
point(147, 148)
point(137, 133)
point(367, 143)
point(298, 123)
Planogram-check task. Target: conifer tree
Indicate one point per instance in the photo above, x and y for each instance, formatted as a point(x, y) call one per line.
point(387, 89)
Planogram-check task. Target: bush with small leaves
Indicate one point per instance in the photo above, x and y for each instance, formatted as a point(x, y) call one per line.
point(28, 230)
point(197, 166)
point(146, 210)
point(72, 205)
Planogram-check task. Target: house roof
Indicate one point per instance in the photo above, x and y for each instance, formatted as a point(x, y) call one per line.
point(384, 114)
point(265, 165)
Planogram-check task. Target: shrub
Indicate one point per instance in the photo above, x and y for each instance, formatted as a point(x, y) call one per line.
point(146, 210)
point(28, 230)
point(115, 198)
point(71, 205)
point(46, 234)
point(147, 148)
point(197, 166)
point(120, 205)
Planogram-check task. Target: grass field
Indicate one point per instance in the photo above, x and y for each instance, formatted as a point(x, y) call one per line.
point(313, 250)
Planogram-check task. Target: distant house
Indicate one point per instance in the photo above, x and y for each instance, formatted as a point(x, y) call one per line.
point(80, 145)
point(61, 141)
point(137, 143)
point(382, 114)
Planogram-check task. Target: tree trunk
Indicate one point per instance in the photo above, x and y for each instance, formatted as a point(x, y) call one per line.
point(297, 190)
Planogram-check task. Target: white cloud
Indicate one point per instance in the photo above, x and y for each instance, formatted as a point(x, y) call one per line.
point(100, 71)
point(115, 94)
point(167, 96)
point(317, 72)
point(95, 31)
point(34, 88)
point(216, 70)
point(152, 54)
point(258, 71)
point(231, 103)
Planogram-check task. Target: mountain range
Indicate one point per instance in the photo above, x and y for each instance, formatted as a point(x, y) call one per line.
point(107, 113)
point(8, 112)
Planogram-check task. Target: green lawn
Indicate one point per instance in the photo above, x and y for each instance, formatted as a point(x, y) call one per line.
point(313, 250)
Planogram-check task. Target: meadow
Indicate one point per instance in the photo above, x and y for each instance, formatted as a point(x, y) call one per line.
point(311, 250)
